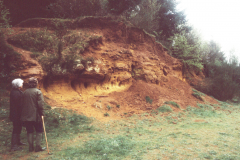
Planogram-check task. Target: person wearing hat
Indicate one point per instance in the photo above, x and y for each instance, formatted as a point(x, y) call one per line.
point(15, 113)
point(32, 112)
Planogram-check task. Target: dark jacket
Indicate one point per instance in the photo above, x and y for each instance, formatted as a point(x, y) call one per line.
point(33, 104)
point(15, 105)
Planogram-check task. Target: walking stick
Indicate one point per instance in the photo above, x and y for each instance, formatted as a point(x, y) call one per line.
point(45, 134)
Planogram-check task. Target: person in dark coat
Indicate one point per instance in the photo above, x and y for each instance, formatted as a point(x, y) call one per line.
point(32, 112)
point(15, 113)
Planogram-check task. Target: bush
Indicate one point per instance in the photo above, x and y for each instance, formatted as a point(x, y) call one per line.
point(222, 84)
point(188, 53)
point(198, 94)
point(173, 104)
point(74, 9)
point(117, 6)
point(148, 99)
point(9, 59)
point(35, 55)
point(164, 108)
point(224, 88)
point(4, 16)
point(36, 41)
point(109, 107)
point(106, 115)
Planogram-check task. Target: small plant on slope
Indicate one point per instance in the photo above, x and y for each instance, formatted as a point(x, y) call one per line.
point(173, 104)
point(109, 107)
point(148, 99)
point(198, 94)
point(106, 115)
point(164, 108)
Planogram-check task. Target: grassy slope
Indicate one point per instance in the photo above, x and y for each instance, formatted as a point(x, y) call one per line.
point(203, 133)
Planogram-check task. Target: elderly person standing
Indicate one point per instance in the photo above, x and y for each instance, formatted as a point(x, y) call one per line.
point(32, 111)
point(15, 113)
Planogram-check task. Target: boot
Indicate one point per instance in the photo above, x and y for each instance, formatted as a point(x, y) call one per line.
point(14, 146)
point(38, 143)
point(30, 142)
point(19, 142)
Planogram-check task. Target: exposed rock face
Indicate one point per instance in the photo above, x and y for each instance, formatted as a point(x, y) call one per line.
point(123, 53)
point(116, 62)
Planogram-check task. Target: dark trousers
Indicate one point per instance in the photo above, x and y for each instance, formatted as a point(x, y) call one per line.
point(31, 125)
point(17, 127)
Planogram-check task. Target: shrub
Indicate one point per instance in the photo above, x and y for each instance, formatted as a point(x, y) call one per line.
point(58, 64)
point(173, 104)
point(106, 115)
point(222, 80)
point(188, 53)
point(109, 107)
point(35, 55)
point(148, 99)
point(9, 59)
point(198, 94)
point(164, 108)
point(36, 41)
point(4, 16)
point(118, 105)
point(117, 7)
point(73, 8)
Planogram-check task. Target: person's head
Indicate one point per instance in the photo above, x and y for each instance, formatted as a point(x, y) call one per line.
point(32, 82)
point(17, 83)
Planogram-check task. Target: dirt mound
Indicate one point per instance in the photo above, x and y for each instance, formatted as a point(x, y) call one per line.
point(129, 65)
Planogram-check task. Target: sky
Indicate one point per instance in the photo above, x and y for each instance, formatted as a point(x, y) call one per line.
point(217, 20)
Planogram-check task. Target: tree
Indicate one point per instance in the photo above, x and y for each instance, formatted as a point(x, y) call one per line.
point(186, 52)
point(24, 9)
point(212, 57)
point(4, 17)
point(170, 20)
point(74, 8)
point(7, 54)
point(117, 7)
point(146, 15)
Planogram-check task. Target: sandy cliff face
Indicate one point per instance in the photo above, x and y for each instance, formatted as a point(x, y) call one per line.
point(128, 66)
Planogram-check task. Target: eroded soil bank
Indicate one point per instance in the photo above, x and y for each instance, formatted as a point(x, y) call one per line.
point(120, 66)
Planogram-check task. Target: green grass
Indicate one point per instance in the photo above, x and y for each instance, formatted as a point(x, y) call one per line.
point(60, 125)
point(105, 148)
point(198, 94)
point(204, 110)
point(174, 104)
point(164, 108)
point(194, 133)
point(61, 120)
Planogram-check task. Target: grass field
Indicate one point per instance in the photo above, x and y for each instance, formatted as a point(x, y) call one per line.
point(208, 132)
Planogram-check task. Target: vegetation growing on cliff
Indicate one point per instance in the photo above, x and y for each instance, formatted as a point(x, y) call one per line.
point(158, 17)
point(8, 57)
